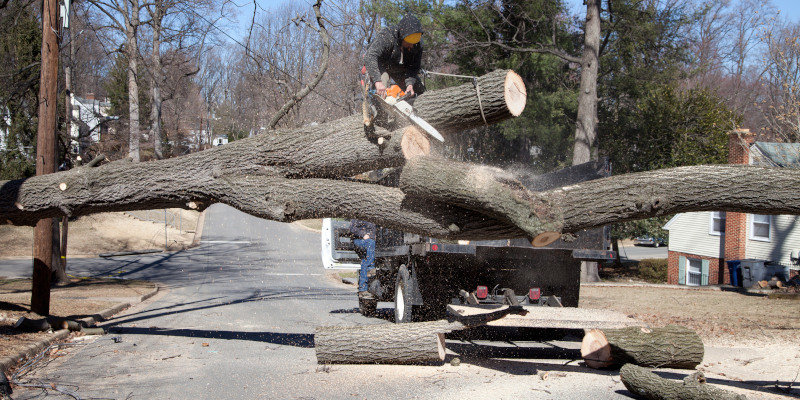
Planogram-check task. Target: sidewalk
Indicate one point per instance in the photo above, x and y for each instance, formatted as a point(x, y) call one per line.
point(87, 303)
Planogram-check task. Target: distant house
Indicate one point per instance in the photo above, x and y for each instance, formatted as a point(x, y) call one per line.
point(219, 140)
point(700, 243)
point(88, 117)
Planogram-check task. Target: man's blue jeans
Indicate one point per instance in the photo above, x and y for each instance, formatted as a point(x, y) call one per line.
point(367, 263)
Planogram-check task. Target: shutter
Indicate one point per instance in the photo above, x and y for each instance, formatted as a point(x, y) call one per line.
point(681, 270)
point(704, 273)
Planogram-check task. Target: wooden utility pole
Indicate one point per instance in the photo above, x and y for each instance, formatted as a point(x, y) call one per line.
point(46, 155)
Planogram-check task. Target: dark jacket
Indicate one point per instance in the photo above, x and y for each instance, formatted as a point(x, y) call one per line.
point(384, 53)
point(360, 228)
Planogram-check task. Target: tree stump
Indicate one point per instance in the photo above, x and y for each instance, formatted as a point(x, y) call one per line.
point(644, 383)
point(669, 347)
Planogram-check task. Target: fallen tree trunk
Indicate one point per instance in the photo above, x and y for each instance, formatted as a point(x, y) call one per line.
point(287, 175)
point(414, 343)
point(644, 383)
point(669, 347)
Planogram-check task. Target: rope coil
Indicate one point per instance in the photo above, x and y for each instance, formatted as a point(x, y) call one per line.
point(474, 80)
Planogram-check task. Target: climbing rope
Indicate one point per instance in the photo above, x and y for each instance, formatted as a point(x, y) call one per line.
point(474, 80)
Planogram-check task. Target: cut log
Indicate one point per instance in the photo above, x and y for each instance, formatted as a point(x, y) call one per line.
point(502, 96)
point(415, 343)
point(669, 347)
point(32, 325)
point(642, 382)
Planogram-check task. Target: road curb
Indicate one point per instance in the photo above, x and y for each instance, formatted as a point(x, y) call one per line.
point(31, 350)
point(7, 362)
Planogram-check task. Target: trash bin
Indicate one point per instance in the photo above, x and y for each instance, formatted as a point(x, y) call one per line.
point(734, 272)
point(752, 272)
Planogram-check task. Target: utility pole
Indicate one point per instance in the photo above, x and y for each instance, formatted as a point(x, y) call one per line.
point(46, 155)
point(60, 246)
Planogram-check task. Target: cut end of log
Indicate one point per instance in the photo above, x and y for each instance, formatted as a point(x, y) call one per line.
point(414, 143)
point(62, 186)
point(595, 350)
point(515, 93)
point(545, 238)
point(19, 205)
point(192, 205)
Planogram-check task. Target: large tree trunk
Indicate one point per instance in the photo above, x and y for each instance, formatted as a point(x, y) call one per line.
point(155, 112)
point(286, 175)
point(413, 343)
point(585, 148)
point(669, 347)
point(646, 384)
point(132, 51)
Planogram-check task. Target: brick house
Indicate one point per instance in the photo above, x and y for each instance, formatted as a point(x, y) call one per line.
point(701, 242)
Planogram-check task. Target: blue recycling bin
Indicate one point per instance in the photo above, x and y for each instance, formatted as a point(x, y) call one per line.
point(735, 272)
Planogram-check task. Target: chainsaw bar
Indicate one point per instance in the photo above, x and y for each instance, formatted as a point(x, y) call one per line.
point(403, 108)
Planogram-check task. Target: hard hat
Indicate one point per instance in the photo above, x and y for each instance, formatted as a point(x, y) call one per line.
point(413, 38)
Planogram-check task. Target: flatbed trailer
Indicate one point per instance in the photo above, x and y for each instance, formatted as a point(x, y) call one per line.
point(422, 275)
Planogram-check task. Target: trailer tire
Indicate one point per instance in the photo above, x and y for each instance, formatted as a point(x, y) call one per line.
point(368, 307)
point(402, 296)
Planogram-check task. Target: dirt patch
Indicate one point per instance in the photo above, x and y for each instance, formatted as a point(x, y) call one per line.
point(721, 318)
point(81, 298)
point(106, 233)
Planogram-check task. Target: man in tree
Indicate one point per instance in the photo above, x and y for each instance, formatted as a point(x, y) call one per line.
point(395, 54)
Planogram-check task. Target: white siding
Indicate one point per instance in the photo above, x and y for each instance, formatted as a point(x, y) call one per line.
point(785, 237)
point(688, 233)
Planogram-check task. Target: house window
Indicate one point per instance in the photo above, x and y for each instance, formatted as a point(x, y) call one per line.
point(693, 271)
point(717, 223)
point(760, 227)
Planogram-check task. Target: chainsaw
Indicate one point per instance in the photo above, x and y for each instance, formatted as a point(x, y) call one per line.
point(398, 104)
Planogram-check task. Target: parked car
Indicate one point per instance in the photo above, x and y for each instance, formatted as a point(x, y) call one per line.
point(649, 241)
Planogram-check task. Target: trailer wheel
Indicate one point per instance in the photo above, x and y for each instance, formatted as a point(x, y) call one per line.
point(368, 307)
point(402, 297)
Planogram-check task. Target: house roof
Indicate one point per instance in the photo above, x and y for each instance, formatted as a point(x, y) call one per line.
point(784, 155)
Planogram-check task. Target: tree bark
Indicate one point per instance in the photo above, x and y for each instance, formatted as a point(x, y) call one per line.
point(415, 343)
point(286, 175)
point(157, 16)
point(646, 384)
point(586, 127)
point(132, 51)
point(669, 347)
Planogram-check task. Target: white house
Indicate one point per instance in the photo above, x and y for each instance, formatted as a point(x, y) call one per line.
point(88, 114)
point(701, 243)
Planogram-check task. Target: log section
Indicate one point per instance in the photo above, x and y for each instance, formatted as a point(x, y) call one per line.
point(415, 343)
point(669, 347)
point(644, 383)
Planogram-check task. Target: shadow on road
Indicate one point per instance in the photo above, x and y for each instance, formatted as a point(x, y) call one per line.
point(304, 340)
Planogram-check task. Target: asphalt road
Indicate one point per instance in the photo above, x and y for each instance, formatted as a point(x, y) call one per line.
point(238, 320)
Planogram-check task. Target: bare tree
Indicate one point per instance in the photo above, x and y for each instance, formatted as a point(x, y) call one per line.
point(781, 80)
point(123, 16)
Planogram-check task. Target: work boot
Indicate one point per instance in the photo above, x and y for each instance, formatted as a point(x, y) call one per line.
point(365, 295)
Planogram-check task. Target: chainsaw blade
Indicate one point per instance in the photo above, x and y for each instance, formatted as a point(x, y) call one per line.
point(406, 109)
